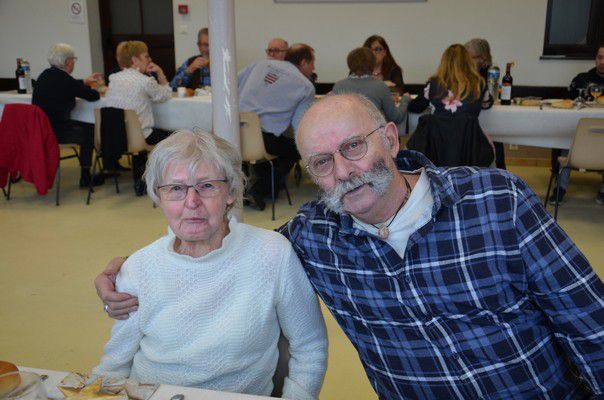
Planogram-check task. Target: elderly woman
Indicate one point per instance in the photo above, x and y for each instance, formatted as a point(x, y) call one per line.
point(134, 89)
point(55, 93)
point(386, 68)
point(215, 296)
point(361, 62)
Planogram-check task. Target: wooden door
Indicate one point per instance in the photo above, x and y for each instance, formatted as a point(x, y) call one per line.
point(149, 21)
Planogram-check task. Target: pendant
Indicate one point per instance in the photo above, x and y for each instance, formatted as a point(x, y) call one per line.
point(383, 232)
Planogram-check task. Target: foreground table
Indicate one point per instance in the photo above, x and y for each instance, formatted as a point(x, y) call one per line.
point(530, 126)
point(176, 113)
point(164, 392)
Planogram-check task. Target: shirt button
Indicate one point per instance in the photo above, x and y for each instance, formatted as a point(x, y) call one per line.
point(408, 279)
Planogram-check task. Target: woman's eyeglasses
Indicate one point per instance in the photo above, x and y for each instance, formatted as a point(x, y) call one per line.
point(178, 191)
point(352, 149)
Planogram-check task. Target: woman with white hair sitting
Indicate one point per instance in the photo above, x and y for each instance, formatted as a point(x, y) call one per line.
point(215, 295)
point(55, 93)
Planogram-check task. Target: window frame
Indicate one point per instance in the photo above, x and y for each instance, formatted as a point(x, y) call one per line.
point(595, 36)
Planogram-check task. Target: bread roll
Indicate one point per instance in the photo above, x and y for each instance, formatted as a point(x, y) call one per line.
point(10, 382)
point(563, 104)
point(600, 100)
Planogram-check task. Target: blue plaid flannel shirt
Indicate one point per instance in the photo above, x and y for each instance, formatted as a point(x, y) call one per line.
point(492, 299)
point(181, 78)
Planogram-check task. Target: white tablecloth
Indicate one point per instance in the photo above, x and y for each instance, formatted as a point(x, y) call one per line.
point(164, 392)
point(177, 113)
point(530, 126)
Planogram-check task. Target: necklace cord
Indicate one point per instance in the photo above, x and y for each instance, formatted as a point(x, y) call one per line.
point(405, 199)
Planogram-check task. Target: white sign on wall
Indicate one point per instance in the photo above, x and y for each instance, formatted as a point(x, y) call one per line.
point(77, 11)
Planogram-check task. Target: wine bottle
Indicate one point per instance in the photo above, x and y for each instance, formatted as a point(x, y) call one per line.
point(20, 75)
point(506, 86)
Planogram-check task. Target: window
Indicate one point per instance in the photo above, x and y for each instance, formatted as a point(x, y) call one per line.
point(573, 29)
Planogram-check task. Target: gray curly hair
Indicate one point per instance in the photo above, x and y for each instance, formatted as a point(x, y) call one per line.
point(195, 148)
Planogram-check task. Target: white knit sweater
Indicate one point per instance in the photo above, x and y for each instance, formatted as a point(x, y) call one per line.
point(214, 321)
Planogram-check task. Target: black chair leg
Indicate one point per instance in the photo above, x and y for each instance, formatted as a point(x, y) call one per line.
point(272, 188)
point(58, 183)
point(549, 186)
point(557, 196)
point(289, 199)
point(90, 190)
point(10, 184)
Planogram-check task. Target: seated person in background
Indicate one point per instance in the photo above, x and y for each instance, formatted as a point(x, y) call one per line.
point(361, 62)
point(279, 92)
point(386, 68)
point(580, 87)
point(195, 72)
point(480, 51)
point(276, 49)
point(214, 296)
point(133, 89)
point(595, 76)
point(456, 90)
point(55, 93)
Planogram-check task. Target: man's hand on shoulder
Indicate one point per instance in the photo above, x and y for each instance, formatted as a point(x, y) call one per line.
point(117, 305)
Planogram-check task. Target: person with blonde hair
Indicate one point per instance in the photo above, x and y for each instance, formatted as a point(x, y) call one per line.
point(133, 89)
point(456, 90)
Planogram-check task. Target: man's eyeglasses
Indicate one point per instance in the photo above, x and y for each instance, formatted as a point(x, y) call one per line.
point(377, 50)
point(178, 191)
point(352, 149)
point(273, 51)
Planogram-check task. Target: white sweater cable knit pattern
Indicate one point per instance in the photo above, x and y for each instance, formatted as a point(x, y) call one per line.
point(214, 321)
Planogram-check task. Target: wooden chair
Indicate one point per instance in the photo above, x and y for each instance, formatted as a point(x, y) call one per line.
point(134, 137)
point(253, 150)
point(585, 154)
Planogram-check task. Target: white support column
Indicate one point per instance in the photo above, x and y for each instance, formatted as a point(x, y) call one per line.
point(225, 99)
point(223, 64)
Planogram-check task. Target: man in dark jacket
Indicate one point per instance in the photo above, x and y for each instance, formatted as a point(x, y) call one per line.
point(580, 87)
point(195, 72)
point(584, 80)
point(55, 93)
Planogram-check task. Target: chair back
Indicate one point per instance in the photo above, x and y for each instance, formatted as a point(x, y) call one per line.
point(252, 143)
point(28, 145)
point(588, 145)
point(452, 141)
point(134, 131)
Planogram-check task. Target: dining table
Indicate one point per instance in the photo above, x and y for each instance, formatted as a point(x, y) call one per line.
point(164, 392)
point(540, 126)
point(177, 113)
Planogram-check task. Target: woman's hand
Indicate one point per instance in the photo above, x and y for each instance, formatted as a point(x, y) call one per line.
point(118, 305)
point(390, 83)
point(161, 77)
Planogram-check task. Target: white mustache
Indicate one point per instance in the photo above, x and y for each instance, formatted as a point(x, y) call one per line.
point(378, 178)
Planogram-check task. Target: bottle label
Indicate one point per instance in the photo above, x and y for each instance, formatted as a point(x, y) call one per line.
point(22, 84)
point(506, 92)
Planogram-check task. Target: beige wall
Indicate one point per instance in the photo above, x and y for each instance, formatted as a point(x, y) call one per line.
point(29, 27)
point(417, 33)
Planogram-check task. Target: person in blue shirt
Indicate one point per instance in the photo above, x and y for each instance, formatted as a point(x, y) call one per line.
point(195, 72)
point(452, 283)
point(279, 92)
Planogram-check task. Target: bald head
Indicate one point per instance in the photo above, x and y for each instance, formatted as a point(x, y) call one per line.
point(336, 113)
point(276, 49)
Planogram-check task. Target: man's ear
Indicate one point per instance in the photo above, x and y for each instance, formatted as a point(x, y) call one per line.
point(391, 132)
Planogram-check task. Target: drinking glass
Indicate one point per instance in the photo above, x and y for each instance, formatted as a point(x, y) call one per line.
point(596, 91)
